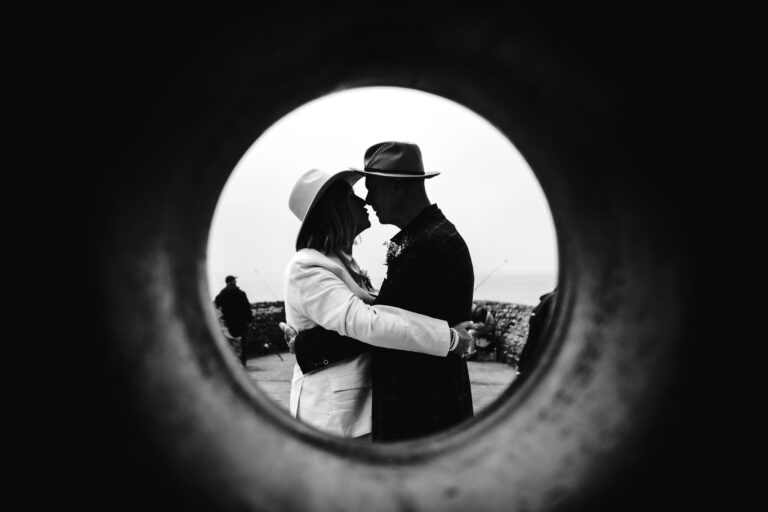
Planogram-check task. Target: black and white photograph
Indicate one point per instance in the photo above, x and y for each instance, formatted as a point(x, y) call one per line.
point(384, 258)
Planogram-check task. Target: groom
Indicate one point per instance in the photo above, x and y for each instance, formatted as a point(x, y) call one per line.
point(429, 271)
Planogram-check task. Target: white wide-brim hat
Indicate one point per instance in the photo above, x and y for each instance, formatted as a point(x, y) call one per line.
point(310, 188)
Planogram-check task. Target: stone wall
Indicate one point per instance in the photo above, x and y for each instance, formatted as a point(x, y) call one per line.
point(511, 330)
point(265, 336)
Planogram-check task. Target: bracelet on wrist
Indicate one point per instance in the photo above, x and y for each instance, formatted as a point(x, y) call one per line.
point(454, 339)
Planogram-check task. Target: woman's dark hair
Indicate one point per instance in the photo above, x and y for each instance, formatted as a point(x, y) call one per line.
point(330, 227)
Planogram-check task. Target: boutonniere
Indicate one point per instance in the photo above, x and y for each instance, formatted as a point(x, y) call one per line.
point(394, 249)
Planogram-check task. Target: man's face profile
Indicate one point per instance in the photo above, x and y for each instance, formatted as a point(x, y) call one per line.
point(380, 196)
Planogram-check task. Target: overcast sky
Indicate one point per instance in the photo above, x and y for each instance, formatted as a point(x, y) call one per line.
point(486, 188)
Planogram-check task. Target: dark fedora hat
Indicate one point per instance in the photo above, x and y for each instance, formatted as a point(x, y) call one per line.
point(394, 160)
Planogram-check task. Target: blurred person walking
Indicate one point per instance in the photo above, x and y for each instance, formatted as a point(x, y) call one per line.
point(235, 314)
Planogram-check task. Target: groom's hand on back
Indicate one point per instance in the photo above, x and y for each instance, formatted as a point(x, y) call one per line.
point(289, 334)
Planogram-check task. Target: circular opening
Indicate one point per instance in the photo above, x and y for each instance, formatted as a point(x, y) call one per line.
point(486, 189)
point(185, 114)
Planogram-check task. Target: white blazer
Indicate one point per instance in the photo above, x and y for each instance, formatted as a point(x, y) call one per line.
point(320, 291)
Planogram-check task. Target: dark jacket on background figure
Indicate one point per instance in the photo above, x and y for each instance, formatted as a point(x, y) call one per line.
point(236, 310)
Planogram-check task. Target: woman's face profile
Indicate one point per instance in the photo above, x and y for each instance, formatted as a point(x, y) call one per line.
point(359, 212)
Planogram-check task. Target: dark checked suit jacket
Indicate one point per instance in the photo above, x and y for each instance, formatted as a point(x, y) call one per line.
point(414, 395)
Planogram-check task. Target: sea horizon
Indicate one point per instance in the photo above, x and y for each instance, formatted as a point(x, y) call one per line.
point(518, 288)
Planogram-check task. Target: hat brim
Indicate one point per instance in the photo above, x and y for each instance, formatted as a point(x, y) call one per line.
point(424, 176)
point(348, 176)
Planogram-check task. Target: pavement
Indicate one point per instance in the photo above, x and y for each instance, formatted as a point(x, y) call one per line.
point(272, 375)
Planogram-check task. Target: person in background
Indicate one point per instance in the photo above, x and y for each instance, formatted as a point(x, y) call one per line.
point(540, 316)
point(236, 315)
